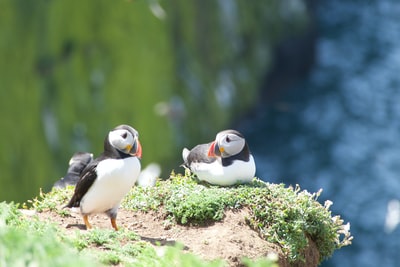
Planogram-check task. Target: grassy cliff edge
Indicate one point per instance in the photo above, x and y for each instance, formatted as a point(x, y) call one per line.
point(290, 218)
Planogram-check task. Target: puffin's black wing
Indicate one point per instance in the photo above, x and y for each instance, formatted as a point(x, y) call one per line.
point(199, 154)
point(88, 177)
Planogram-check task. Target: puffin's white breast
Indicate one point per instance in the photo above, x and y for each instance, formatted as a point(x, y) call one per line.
point(215, 173)
point(115, 177)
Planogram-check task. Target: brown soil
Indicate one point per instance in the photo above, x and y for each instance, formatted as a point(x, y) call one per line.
point(230, 239)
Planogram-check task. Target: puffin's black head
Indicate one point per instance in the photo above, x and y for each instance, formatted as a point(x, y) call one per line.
point(125, 139)
point(227, 143)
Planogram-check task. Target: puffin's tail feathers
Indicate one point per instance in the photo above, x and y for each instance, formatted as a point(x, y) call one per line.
point(185, 154)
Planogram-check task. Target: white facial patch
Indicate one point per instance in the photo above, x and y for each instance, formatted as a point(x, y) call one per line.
point(231, 143)
point(120, 139)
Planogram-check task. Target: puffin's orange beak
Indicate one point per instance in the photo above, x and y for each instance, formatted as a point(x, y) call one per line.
point(211, 150)
point(135, 150)
point(138, 150)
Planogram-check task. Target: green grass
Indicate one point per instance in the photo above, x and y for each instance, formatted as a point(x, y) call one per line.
point(52, 201)
point(283, 215)
point(30, 242)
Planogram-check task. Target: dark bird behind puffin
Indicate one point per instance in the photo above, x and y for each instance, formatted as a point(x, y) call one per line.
point(107, 179)
point(225, 161)
point(77, 164)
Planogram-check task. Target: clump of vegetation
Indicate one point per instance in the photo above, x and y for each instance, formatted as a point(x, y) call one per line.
point(112, 247)
point(291, 218)
point(52, 201)
point(287, 216)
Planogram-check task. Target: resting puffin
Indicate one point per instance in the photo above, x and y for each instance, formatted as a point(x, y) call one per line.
point(225, 161)
point(108, 178)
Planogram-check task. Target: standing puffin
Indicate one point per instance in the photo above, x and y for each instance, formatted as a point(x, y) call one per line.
point(225, 161)
point(107, 179)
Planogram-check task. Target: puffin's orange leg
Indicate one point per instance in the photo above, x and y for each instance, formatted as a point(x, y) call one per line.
point(114, 223)
point(86, 221)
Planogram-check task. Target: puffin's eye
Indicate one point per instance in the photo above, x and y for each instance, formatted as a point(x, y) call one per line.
point(228, 139)
point(124, 135)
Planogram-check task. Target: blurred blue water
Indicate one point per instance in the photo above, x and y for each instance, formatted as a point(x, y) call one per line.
point(340, 129)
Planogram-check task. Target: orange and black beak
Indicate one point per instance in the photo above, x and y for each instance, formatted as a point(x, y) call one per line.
point(215, 150)
point(136, 149)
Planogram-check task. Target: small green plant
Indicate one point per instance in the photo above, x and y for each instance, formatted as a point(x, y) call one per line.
point(52, 201)
point(263, 262)
point(145, 199)
point(109, 246)
point(291, 217)
point(110, 257)
point(174, 256)
point(196, 205)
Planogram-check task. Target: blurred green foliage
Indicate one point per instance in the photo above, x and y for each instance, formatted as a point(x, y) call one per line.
point(178, 71)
